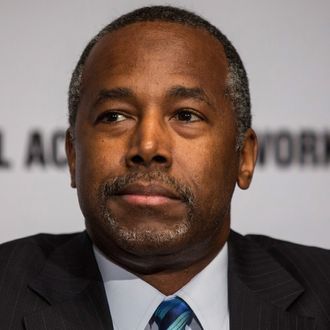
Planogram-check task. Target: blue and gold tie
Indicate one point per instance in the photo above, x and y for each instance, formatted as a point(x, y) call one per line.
point(173, 314)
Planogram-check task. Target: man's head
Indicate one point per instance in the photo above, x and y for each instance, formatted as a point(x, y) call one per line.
point(237, 86)
point(153, 149)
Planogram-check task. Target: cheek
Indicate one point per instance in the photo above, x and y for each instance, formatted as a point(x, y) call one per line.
point(210, 168)
point(98, 159)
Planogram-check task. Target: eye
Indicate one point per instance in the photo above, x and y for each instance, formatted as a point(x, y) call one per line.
point(111, 116)
point(187, 116)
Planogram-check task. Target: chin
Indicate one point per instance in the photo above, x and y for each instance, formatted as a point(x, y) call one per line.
point(150, 239)
point(145, 249)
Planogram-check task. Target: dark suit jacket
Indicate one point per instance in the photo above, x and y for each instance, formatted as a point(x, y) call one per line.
point(50, 282)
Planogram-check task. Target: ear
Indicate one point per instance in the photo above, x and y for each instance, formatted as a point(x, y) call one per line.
point(248, 159)
point(71, 155)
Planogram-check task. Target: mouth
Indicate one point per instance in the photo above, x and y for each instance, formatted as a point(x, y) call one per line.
point(148, 195)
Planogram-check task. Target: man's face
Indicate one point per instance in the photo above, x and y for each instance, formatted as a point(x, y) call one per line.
point(153, 156)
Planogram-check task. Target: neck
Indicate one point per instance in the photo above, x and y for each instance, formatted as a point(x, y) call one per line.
point(170, 281)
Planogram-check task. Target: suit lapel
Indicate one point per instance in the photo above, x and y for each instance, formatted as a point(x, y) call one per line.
point(71, 285)
point(261, 290)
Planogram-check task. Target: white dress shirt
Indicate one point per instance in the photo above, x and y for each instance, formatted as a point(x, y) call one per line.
point(132, 301)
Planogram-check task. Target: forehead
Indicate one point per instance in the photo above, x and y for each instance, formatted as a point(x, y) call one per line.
point(162, 46)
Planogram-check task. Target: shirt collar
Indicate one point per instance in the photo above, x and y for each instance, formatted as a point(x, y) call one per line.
point(207, 293)
point(127, 294)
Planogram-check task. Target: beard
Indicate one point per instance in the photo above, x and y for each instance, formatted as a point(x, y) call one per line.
point(147, 239)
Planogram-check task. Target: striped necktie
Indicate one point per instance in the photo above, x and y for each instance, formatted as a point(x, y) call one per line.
point(173, 314)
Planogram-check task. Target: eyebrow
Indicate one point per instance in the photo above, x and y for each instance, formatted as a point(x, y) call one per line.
point(191, 93)
point(117, 93)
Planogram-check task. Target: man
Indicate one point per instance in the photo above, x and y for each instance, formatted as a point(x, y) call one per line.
point(160, 133)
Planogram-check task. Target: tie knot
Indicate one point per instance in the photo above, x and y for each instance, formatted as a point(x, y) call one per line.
point(173, 314)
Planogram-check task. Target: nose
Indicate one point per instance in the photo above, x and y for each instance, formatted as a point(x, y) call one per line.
point(150, 145)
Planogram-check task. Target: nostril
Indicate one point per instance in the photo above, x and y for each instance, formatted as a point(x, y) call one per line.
point(137, 159)
point(159, 159)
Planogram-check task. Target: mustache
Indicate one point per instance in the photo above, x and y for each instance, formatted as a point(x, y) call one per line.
point(119, 183)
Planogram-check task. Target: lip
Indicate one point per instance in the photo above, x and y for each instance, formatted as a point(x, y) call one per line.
point(150, 194)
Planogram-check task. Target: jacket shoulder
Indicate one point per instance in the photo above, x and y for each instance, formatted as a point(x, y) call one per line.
point(293, 277)
point(273, 244)
point(25, 257)
point(21, 261)
point(309, 265)
point(41, 240)
point(300, 259)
